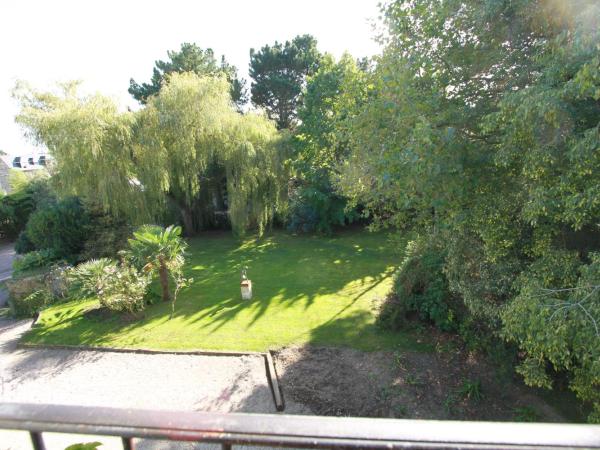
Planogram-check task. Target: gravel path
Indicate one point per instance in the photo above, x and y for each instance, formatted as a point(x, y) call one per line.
point(128, 380)
point(7, 254)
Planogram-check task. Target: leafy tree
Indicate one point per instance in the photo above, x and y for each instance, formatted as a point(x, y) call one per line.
point(155, 249)
point(190, 58)
point(279, 74)
point(91, 143)
point(483, 128)
point(320, 144)
point(195, 151)
point(188, 150)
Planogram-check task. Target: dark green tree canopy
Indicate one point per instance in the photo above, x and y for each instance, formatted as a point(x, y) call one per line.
point(190, 58)
point(279, 73)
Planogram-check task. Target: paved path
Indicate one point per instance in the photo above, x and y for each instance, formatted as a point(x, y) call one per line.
point(7, 254)
point(127, 380)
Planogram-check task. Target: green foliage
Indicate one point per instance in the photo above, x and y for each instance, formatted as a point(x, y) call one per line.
point(279, 72)
point(32, 260)
point(91, 143)
point(32, 304)
point(471, 390)
point(83, 279)
point(85, 446)
point(190, 58)
point(196, 151)
point(23, 244)
point(107, 235)
point(526, 414)
point(17, 180)
point(159, 251)
point(16, 208)
point(420, 287)
point(122, 288)
point(61, 228)
point(482, 128)
point(320, 145)
point(559, 326)
point(118, 287)
point(188, 149)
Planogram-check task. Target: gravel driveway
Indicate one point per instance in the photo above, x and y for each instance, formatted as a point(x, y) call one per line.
point(128, 380)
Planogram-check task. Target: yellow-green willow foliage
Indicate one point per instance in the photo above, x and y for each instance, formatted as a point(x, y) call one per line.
point(90, 141)
point(191, 132)
point(187, 143)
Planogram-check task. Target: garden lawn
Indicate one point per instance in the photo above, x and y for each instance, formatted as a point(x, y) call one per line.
point(307, 289)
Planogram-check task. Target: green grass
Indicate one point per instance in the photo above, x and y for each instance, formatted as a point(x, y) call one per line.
point(307, 289)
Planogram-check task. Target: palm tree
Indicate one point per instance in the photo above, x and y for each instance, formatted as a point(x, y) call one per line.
point(157, 249)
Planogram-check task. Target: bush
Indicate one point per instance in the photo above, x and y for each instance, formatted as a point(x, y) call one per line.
point(32, 304)
point(317, 208)
point(33, 260)
point(122, 288)
point(420, 287)
point(107, 235)
point(61, 227)
point(555, 320)
point(119, 287)
point(24, 244)
point(83, 279)
point(16, 208)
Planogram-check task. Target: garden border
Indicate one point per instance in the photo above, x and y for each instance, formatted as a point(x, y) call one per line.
point(270, 371)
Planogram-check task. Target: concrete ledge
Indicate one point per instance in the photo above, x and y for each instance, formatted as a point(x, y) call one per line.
point(148, 351)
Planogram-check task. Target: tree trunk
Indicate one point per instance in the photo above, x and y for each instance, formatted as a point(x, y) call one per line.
point(163, 274)
point(188, 223)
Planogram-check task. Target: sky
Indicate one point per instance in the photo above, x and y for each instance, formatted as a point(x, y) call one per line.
point(104, 43)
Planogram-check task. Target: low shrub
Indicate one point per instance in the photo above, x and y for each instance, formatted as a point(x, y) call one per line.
point(421, 288)
point(61, 227)
point(122, 288)
point(318, 208)
point(118, 287)
point(32, 304)
point(33, 260)
point(23, 244)
point(16, 208)
point(83, 279)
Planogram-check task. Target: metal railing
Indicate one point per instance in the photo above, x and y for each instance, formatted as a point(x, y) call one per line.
point(279, 430)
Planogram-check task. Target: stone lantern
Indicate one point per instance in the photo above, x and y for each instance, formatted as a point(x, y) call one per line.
point(246, 289)
point(246, 286)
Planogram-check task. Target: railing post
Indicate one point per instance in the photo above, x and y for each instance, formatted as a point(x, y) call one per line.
point(37, 440)
point(225, 446)
point(127, 443)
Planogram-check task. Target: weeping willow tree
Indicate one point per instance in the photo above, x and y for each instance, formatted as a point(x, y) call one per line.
point(90, 141)
point(188, 149)
point(193, 149)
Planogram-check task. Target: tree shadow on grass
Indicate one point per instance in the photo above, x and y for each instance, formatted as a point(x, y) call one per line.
point(289, 275)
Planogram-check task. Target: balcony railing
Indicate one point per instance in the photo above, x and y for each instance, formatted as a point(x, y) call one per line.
point(291, 430)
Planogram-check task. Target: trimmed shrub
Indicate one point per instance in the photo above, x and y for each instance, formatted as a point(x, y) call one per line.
point(318, 208)
point(16, 208)
point(23, 244)
point(33, 260)
point(118, 287)
point(61, 227)
point(421, 288)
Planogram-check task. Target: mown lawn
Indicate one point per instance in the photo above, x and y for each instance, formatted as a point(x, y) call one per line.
point(307, 289)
